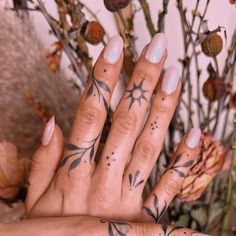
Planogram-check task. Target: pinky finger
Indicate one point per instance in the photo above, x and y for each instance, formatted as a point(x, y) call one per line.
point(172, 179)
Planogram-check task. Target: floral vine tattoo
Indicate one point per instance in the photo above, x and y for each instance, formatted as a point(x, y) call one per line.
point(166, 230)
point(117, 228)
point(175, 167)
point(157, 214)
point(136, 94)
point(133, 179)
point(79, 152)
point(98, 85)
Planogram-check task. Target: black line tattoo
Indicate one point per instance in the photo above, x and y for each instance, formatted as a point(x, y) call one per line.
point(158, 213)
point(98, 85)
point(117, 228)
point(133, 179)
point(167, 231)
point(79, 153)
point(136, 94)
point(175, 167)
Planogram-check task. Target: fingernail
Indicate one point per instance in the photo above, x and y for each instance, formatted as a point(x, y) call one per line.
point(156, 49)
point(199, 234)
point(193, 137)
point(113, 49)
point(170, 80)
point(48, 131)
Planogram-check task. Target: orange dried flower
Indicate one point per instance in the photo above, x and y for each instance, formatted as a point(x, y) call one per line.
point(115, 5)
point(13, 170)
point(212, 45)
point(93, 32)
point(212, 159)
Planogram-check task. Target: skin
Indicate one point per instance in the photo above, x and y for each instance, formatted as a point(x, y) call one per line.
point(70, 184)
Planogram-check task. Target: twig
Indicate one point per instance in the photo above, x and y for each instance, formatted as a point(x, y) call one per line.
point(161, 16)
point(54, 26)
point(148, 18)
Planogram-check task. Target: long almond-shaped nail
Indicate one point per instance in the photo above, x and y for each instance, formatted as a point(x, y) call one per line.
point(48, 131)
point(193, 137)
point(199, 234)
point(170, 80)
point(113, 49)
point(156, 49)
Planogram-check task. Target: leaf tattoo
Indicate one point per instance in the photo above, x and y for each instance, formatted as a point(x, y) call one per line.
point(98, 85)
point(79, 153)
point(117, 228)
point(165, 229)
point(175, 167)
point(156, 215)
point(133, 179)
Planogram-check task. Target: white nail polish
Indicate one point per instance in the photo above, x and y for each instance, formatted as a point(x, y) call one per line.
point(193, 138)
point(170, 80)
point(113, 49)
point(48, 131)
point(156, 49)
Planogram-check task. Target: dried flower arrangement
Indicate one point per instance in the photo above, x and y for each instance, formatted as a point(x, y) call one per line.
point(207, 199)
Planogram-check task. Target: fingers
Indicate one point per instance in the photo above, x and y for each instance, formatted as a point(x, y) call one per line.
point(92, 111)
point(44, 163)
point(89, 226)
point(150, 141)
point(130, 113)
point(170, 182)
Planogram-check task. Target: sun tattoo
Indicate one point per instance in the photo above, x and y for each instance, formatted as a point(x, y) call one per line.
point(136, 94)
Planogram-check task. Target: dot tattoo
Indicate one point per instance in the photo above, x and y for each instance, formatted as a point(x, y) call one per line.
point(79, 153)
point(136, 94)
point(176, 166)
point(154, 125)
point(98, 86)
point(110, 159)
point(117, 228)
point(157, 213)
point(134, 180)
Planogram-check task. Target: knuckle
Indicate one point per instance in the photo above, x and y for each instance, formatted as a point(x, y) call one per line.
point(171, 187)
point(88, 116)
point(147, 75)
point(145, 151)
point(125, 123)
point(144, 229)
point(163, 106)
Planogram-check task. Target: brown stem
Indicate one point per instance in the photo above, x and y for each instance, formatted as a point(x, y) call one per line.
point(161, 16)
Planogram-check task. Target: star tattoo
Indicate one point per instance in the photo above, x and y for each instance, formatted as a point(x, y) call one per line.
point(136, 94)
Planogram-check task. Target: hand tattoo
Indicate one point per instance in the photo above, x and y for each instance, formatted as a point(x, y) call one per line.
point(98, 85)
point(136, 94)
point(157, 214)
point(79, 153)
point(175, 167)
point(133, 179)
point(167, 231)
point(117, 228)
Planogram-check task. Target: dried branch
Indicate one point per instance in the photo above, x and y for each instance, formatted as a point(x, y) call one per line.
point(161, 16)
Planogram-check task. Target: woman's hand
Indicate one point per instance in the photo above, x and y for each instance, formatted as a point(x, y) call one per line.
point(89, 226)
point(73, 184)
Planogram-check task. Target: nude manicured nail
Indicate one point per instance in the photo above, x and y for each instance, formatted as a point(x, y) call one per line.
point(113, 49)
point(48, 131)
point(193, 137)
point(170, 80)
point(199, 234)
point(156, 49)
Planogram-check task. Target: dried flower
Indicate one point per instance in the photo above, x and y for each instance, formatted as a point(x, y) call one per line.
point(13, 170)
point(233, 100)
point(115, 5)
point(93, 32)
point(232, 1)
point(214, 88)
point(212, 45)
point(53, 56)
point(212, 159)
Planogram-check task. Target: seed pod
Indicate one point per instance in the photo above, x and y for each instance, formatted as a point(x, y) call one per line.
point(212, 45)
point(233, 100)
point(115, 5)
point(214, 89)
point(93, 32)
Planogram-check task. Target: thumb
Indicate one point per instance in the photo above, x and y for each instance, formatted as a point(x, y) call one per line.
point(44, 163)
